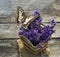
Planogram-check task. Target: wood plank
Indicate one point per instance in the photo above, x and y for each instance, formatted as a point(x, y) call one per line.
point(47, 18)
point(12, 19)
point(55, 48)
point(8, 19)
point(9, 48)
point(11, 30)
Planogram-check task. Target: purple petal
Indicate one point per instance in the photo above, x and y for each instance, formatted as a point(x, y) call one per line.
point(42, 46)
point(37, 12)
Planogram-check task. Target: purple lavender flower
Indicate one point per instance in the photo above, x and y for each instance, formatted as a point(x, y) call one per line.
point(53, 23)
point(37, 12)
point(37, 34)
point(30, 38)
point(21, 32)
point(42, 46)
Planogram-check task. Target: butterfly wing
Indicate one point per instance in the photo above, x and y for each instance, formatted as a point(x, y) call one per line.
point(29, 19)
point(20, 15)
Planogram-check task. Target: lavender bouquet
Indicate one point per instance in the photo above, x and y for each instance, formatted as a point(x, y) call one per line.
point(37, 32)
point(34, 36)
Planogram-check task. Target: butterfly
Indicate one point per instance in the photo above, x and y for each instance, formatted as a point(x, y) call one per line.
point(25, 19)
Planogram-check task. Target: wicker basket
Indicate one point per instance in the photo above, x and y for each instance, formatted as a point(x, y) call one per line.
point(27, 49)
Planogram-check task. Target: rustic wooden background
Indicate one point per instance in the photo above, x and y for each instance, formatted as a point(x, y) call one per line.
point(9, 28)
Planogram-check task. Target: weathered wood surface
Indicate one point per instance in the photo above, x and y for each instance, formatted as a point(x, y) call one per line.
point(9, 29)
point(9, 48)
point(55, 48)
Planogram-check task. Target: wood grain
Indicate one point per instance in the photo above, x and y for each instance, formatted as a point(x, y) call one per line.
point(9, 48)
